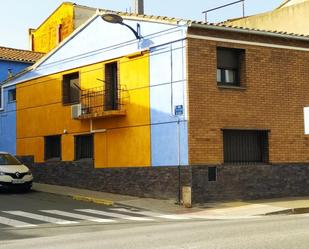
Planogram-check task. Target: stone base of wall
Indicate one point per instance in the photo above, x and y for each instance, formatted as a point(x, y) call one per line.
point(154, 182)
point(234, 182)
point(250, 182)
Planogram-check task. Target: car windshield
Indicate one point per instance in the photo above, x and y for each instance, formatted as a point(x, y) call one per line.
point(7, 159)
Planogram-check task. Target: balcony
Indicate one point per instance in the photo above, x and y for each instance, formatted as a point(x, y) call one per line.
point(101, 103)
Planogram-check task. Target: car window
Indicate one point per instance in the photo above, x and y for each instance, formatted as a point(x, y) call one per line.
point(7, 159)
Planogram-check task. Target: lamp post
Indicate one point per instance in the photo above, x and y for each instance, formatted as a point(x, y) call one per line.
point(116, 19)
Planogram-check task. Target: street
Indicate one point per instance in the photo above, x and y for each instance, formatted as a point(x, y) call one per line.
point(39, 220)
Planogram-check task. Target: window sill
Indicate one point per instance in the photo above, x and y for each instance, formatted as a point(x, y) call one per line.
point(70, 104)
point(84, 160)
point(231, 87)
point(54, 159)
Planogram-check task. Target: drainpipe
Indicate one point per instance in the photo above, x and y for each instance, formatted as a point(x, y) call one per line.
point(179, 173)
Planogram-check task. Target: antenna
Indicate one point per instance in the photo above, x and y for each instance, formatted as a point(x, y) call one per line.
point(225, 5)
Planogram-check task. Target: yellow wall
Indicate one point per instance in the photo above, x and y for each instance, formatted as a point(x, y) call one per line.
point(126, 141)
point(45, 37)
point(291, 19)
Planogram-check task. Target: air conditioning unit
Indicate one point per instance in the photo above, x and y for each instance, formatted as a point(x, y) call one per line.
point(76, 111)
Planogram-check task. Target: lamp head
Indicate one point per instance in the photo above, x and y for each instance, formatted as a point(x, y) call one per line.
point(112, 18)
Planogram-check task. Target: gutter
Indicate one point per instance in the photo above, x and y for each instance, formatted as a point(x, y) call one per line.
point(249, 31)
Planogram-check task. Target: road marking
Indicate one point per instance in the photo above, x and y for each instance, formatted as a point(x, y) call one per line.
point(153, 214)
point(40, 217)
point(115, 215)
point(77, 216)
point(15, 223)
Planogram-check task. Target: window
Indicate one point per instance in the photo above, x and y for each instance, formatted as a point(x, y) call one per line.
point(70, 89)
point(53, 147)
point(229, 63)
point(12, 95)
point(111, 87)
point(245, 146)
point(83, 147)
point(59, 33)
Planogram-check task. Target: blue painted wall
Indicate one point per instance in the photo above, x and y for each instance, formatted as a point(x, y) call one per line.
point(169, 133)
point(15, 66)
point(8, 111)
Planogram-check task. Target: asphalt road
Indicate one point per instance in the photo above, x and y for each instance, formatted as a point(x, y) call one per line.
point(131, 229)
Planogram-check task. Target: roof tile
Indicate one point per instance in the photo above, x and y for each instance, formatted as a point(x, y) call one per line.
point(13, 54)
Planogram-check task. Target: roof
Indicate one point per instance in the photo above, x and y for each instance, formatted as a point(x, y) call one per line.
point(236, 28)
point(173, 20)
point(19, 55)
point(162, 19)
point(240, 23)
point(223, 25)
point(287, 3)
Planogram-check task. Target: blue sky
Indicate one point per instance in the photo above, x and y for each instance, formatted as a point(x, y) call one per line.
point(17, 16)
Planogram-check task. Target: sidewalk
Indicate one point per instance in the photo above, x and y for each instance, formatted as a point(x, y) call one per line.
point(109, 198)
point(237, 209)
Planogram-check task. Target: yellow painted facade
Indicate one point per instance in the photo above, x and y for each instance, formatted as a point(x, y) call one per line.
point(54, 29)
point(292, 17)
point(122, 141)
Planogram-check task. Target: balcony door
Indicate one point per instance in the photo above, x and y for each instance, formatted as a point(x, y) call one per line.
point(111, 87)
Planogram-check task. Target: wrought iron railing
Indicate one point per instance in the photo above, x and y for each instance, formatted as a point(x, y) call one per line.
point(98, 102)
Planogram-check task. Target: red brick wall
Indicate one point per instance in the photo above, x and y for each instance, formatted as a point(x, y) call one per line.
point(275, 90)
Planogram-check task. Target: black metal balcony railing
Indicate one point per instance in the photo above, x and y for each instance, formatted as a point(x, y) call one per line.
point(100, 102)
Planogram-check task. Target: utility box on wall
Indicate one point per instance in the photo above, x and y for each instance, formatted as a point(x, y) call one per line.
point(186, 196)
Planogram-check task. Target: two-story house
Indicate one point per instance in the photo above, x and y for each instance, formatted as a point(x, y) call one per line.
point(144, 105)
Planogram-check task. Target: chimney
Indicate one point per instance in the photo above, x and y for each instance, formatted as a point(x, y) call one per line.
point(139, 7)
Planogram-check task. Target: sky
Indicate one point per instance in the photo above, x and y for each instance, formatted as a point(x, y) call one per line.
point(17, 16)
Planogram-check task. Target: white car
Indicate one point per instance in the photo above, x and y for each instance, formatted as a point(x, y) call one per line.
point(13, 174)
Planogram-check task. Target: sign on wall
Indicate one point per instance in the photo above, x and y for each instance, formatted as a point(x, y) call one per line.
point(178, 110)
point(306, 120)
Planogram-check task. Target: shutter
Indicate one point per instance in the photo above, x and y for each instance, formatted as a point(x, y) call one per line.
point(75, 90)
point(65, 91)
point(241, 146)
point(228, 58)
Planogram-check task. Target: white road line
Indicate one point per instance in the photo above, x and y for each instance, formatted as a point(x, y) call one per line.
point(116, 215)
point(77, 216)
point(153, 214)
point(15, 223)
point(40, 217)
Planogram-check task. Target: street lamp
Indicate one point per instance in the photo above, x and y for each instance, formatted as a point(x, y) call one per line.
point(116, 19)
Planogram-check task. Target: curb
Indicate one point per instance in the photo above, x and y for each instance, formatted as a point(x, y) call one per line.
point(79, 197)
point(290, 211)
point(92, 199)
